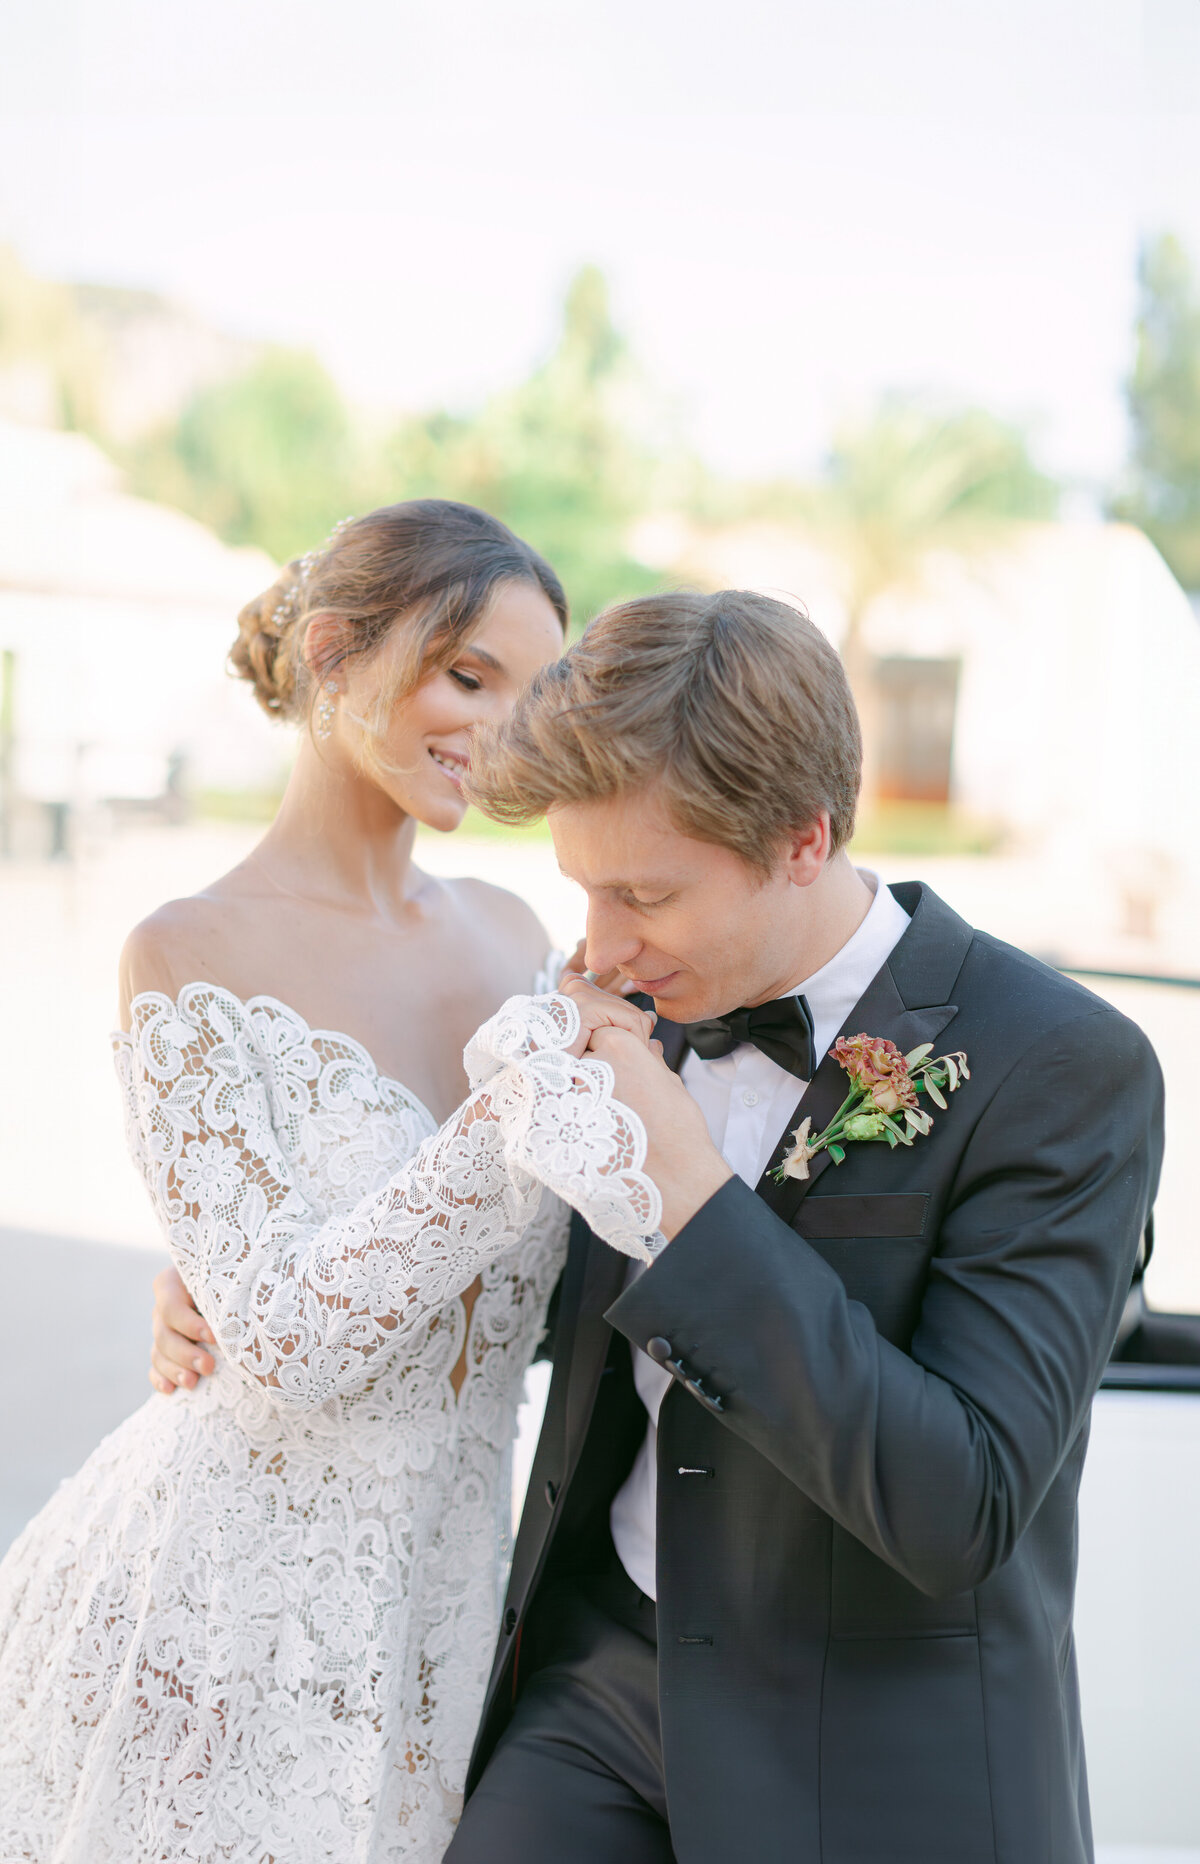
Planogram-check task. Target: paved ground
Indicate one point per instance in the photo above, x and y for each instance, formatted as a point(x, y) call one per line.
point(75, 1359)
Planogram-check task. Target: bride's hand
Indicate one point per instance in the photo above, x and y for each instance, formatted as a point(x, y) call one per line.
point(598, 1009)
point(177, 1358)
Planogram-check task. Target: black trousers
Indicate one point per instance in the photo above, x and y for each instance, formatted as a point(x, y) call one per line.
point(577, 1776)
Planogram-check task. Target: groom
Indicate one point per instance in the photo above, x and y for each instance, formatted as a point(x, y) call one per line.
point(795, 1576)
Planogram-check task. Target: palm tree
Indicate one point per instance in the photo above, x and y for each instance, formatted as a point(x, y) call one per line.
point(898, 488)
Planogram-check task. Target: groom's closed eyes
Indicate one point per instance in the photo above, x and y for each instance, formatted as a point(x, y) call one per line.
point(632, 899)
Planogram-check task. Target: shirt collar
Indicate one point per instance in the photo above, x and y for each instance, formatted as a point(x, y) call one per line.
point(833, 991)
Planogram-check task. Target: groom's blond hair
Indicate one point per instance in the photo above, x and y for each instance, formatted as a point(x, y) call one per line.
point(734, 706)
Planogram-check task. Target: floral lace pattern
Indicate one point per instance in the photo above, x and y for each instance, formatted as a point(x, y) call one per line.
point(257, 1625)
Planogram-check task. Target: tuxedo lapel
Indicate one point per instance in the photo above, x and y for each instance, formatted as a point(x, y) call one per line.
point(879, 1012)
point(896, 1004)
point(673, 1037)
point(594, 1277)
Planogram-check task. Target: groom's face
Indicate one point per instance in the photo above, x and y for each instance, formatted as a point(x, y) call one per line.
point(686, 921)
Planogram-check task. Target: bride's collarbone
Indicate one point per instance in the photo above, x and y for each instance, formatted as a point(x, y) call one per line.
point(410, 996)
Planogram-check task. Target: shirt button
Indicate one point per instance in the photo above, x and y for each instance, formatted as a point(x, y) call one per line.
point(749, 1097)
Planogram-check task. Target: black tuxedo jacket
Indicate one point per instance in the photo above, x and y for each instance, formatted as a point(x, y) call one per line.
point(869, 1458)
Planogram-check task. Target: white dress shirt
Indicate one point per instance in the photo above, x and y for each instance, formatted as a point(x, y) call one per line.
point(747, 1101)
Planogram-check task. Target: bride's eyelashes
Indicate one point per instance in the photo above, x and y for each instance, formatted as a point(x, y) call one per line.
point(467, 681)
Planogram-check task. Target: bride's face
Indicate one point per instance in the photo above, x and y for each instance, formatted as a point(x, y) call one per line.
point(421, 756)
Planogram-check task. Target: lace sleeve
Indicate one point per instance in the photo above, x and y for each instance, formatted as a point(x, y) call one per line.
point(301, 1302)
point(561, 1124)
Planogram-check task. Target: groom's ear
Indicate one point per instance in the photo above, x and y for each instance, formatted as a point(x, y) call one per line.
point(806, 851)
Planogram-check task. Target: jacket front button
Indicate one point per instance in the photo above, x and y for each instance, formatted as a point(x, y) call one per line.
point(659, 1349)
point(510, 1622)
point(551, 1493)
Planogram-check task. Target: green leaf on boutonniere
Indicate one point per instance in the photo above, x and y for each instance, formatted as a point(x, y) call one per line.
point(882, 1088)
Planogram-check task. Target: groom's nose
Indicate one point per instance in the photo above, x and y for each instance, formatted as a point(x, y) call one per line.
point(612, 938)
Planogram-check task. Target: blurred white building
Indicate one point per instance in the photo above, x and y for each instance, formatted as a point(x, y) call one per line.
point(1051, 689)
point(115, 619)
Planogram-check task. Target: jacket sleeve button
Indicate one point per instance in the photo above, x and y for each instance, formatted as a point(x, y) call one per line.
point(659, 1349)
point(510, 1622)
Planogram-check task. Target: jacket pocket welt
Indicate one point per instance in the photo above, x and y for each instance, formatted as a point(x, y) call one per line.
point(870, 1600)
point(879, 1213)
point(903, 1753)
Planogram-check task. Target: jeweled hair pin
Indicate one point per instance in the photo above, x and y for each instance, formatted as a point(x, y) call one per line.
point(287, 610)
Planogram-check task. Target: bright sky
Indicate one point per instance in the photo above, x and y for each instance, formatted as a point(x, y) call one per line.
point(797, 203)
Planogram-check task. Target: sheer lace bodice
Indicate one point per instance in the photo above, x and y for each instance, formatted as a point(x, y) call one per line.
point(238, 1116)
point(257, 1624)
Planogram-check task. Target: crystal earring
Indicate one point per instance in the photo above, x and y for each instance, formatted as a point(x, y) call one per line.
point(325, 711)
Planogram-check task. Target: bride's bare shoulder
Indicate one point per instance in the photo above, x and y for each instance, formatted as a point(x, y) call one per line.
point(202, 938)
point(497, 913)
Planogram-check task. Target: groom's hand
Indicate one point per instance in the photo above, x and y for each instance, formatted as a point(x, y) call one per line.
point(681, 1158)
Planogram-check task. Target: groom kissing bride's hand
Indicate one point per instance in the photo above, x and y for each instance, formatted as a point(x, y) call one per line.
point(681, 1158)
point(795, 1573)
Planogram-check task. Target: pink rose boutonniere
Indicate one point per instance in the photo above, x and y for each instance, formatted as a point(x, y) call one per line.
point(883, 1100)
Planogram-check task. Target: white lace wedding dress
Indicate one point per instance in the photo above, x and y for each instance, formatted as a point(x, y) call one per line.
point(257, 1625)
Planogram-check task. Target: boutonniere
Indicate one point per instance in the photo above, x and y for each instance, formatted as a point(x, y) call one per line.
point(883, 1101)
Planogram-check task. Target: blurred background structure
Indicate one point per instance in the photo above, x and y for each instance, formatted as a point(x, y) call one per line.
point(1027, 668)
point(894, 312)
point(114, 619)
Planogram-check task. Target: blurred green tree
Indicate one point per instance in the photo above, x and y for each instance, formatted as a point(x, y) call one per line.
point(274, 457)
point(559, 457)
point(1162, 493)
point(269, 458)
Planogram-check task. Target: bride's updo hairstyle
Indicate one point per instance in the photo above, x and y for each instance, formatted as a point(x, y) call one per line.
point(430, 565)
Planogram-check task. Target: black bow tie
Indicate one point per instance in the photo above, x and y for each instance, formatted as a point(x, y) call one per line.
point(782, 1029)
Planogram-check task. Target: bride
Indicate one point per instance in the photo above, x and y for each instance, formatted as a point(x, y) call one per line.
point(256, 1625)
